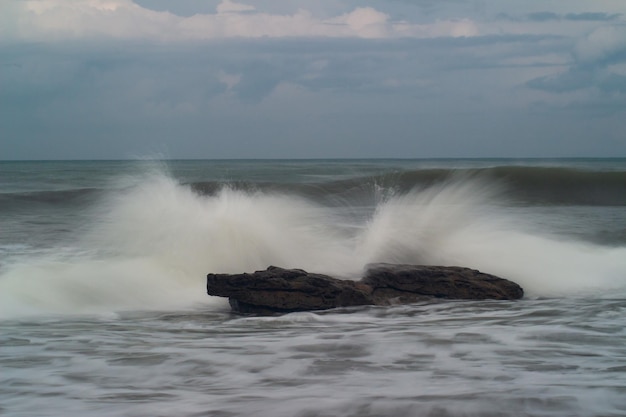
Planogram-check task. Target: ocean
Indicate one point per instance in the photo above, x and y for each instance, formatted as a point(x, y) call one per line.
point(104, 312)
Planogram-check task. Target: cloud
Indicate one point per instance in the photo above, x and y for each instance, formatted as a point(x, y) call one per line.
point(575, 78)
point(587, 16)
point(543, 16)
point(613, 82)
point(49, 20)
point(267, 78)
point(228, 6)
point(593, 56)
point(604, 43)
point(365, 20)
point(591, 16)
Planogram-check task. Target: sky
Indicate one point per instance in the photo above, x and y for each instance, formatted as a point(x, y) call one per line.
point(118, 79)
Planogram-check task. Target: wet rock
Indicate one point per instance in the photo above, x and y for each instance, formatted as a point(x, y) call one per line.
point(437, 281)
point(283, 290)
point(278, 289)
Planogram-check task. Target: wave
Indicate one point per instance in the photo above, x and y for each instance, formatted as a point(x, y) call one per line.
point(550, 185)
point(19, 200)
point(526, 185)
point(152, 244)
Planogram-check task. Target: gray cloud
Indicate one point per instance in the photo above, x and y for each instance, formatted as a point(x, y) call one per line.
point(593, 56)
point(185, 8)
point(548, 16)
point(613, 83)
point(575, 78)
point(507, 92)
point(593, 16)
point(579, 78)
point(543, 16)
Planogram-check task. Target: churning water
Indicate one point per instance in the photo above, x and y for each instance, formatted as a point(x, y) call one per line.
point(103, 309)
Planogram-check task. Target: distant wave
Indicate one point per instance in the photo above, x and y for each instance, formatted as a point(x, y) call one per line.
point(56, 197)
point(563, 185)
point(525, 185)
point(521, 185)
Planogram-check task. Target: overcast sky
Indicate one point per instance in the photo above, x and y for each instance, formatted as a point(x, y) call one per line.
point(110, 79)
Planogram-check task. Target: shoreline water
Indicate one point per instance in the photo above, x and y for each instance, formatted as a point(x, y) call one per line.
point(104, 312)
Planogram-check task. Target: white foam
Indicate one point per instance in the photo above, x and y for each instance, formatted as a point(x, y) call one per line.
point(457, 224)
point(152, 245)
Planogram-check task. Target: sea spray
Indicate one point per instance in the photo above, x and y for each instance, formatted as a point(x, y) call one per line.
point(152, 243)
point(464, 222)
point(229, 231)
point(417, 227)
point(152, 240)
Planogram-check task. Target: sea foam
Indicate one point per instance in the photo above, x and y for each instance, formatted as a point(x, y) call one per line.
point(152, 241)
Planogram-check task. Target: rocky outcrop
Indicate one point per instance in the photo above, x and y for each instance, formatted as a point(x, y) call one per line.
point(283, 290)
point(437, 281)
point(278, 289)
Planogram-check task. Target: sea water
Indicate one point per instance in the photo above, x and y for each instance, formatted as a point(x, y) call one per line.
point(103, 308)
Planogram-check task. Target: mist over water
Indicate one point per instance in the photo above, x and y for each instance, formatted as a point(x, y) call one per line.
point(149, 242)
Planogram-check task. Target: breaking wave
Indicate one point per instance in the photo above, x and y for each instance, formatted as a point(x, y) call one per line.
point(151, 243)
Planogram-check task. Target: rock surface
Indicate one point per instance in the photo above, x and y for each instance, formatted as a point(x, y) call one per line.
point(283, 290)
point(438, 281)
point(278, 289)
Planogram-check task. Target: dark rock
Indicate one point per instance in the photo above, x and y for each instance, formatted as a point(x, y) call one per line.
point(283, 290)
point(278, 289)
point(437, 281)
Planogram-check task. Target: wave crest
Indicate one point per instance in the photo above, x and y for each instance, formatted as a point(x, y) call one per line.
point(152, 243)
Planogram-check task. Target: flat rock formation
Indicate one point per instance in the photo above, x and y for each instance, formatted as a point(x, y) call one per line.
point(387, 280)
point(278, 289)
point(284, 290)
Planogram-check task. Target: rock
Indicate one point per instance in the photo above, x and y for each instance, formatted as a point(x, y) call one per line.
point(283, 290)
point(437, 281)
